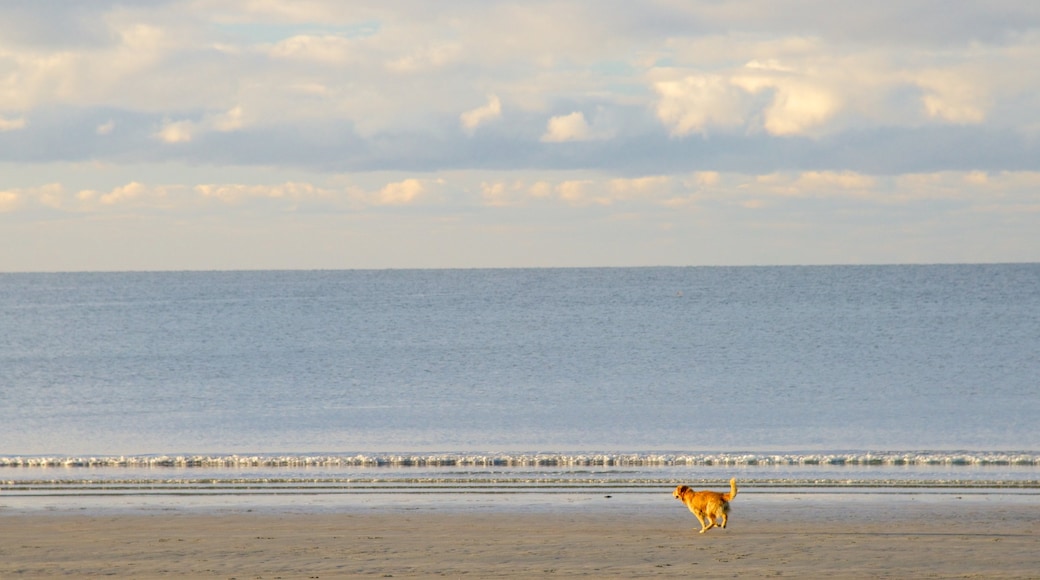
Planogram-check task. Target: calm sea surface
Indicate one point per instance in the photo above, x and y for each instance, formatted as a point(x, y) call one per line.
point(798, 374)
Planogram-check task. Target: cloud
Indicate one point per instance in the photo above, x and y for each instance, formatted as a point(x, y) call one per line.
point(991, 192)
point(950, 96)
point(231, 120)
point(235, 193)
point(682, 112)
point(50, 195)
point(648, 187)
point(771, 95)
point(128, 192)
point(701, 179)
point(570, 127)
point(696, 104)
point(815, 184)
point(794, 86)
point(185, 131)
point(540, 189)
point(9, 201)
point(44, 24)
point(314, 92)
point(796, 107)
point(400, 193)
point(495, 194)
point(426, 58)
point(327, 49)
point(176, 197)
point(507, 194)
point(474, 118)
point(12, 124)
point(176, 132)
point(577, 192)
point(133, 196)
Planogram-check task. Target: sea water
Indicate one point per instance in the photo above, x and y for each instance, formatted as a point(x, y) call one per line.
point(349, 382)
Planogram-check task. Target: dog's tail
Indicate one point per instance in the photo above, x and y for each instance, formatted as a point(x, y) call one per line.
point(732, 490)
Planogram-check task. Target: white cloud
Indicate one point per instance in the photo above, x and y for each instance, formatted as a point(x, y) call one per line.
point(425, 58)
point(234, 193)
point(176, 132)
point(185, 131)
point(9, 201)
point(577, 191)
point(704, 179)
point(400, 193)
point(540, 189)
point(823, 181)
point(973, 189)
point(12, 124)
point(508, 194)
point(403, 96)
point(770, 64)
point(129, 197)
point(649, 187)
point(110, 75)
point(771, 95)
point(280, 64)
point(798, 86)
point(694, 209)
point(950, 96)
point(697, 103)
point(797, 107)
point(51, 195)
point(474, 118)
point(231, 120)
point(814, 184)
point(494, 194)
point(328, 49)
point(128, 192)
point(977, 178)
point(570, 127)
point(580, 190)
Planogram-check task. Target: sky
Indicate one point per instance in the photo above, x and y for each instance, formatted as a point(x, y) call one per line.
point(311, 134)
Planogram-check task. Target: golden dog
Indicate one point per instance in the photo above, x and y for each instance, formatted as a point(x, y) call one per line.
point(709, 507)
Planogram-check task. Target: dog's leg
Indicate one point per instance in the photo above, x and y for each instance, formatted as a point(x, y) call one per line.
point(701, 520)
point(706, 523)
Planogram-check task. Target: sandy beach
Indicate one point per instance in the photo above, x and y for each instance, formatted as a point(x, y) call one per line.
point(929, 536)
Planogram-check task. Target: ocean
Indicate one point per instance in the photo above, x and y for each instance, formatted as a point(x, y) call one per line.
point(571, 381)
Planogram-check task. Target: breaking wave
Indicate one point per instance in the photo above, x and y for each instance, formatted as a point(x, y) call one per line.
point(563, 460)
point(467, 475)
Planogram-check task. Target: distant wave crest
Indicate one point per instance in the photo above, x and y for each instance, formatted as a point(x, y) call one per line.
point(534, 460)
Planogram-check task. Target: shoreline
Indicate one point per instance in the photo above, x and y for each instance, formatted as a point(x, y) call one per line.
point(901, 535)
point(141, 500)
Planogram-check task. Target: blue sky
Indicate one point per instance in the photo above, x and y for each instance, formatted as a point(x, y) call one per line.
point(204, 134)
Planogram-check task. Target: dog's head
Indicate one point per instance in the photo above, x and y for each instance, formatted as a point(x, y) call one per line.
point(680, 491)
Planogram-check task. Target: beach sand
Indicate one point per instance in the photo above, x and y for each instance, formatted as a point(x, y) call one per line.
point(944, 536)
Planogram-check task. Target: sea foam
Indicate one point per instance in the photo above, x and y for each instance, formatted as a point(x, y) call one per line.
point(884, 458)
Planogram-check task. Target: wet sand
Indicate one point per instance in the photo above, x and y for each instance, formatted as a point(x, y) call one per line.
point(987, 536)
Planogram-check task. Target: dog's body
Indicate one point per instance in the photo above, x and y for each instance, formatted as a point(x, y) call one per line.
point(709, 507)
